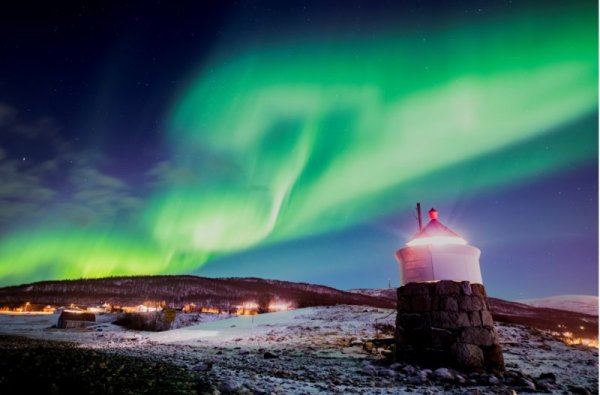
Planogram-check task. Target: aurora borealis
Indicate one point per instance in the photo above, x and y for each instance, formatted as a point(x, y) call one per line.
point(293, 141)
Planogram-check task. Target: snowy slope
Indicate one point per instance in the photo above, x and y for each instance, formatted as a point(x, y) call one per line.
point(386, 293)
point(586, 304)
point(319, 326)
point(322, 350)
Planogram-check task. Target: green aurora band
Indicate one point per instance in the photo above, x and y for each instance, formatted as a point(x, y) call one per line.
point(309, 138)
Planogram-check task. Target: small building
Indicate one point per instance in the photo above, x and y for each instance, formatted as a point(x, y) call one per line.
point(438, 253)
point(70, 319)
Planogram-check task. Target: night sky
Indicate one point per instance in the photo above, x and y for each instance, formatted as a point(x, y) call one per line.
point(291, 140)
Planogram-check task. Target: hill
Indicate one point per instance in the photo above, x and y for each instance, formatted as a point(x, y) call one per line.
point(586, 304)
point(181, 290)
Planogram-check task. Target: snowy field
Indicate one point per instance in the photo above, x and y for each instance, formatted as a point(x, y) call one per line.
point(324, 350)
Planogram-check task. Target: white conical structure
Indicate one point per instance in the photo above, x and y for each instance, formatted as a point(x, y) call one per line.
point(438, 253)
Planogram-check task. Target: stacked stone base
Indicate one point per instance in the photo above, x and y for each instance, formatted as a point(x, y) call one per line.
point(447, 323)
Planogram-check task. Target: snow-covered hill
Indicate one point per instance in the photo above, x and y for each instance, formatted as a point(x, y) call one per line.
point(386, 293)
point(586, 304)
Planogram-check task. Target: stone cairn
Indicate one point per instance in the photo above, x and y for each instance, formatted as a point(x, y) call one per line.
point(447, 323)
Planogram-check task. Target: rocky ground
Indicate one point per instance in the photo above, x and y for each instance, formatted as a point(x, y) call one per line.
point(312, 351)
point(29, 366)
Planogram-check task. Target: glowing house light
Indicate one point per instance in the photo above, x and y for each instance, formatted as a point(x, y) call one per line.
point(437, 240)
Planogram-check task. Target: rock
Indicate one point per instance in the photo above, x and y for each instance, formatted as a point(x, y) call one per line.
point(543, 386)
point(475, 318)
point(506, 391)
point(545, 347)
point(462, 320)
point(421, 303)
point(229, 387)
point(478, 289)
point(466, 303)
point(493, 380)
point(468, 356)
point(551, 377)
point(486, 318)
point(259, 391)
point(474, 391)
point(416, 320)
point(493, 356)
point(369, 370)
point(447, 288)
point(578, 390)
point(529, 385)
point(415, 380)
point(460, 379)
point(450, 320)
point(478, 336)
point(513, 374)
point(443, 374)
point(270, 355)
point(441, 337)
point(448, 303)
point(244, 352)
point(477, 302)
point(387, 373)
point(203, 367)
point(396, 366)
point(465, 288)
point(412, 289)
point(403, 303)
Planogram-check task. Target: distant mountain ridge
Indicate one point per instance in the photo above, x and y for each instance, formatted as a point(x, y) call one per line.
point(179, 290)
point(586, 304)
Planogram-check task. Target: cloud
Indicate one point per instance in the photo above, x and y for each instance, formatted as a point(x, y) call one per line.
point(166, 174)
point(23, 193)
point(7, 114)
point(99, 197)
point(61, 184)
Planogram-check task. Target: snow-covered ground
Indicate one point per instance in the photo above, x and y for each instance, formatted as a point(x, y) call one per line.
point(324, 350)
point(586, 304)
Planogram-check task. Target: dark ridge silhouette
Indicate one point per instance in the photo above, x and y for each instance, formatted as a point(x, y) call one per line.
point(180, 290)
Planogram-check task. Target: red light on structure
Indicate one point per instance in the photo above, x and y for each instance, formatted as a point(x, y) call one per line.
point(433, 214)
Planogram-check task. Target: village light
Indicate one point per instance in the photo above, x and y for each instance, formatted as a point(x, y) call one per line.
point(250, 305)
point(279, 306)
